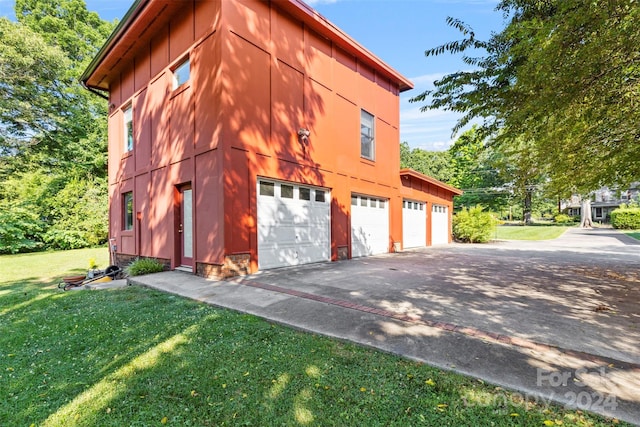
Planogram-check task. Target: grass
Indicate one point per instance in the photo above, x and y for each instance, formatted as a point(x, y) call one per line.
point(530, 232)
point(137, 357)
point(632, 233)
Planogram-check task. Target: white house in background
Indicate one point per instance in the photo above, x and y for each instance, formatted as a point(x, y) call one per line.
point(603, 202)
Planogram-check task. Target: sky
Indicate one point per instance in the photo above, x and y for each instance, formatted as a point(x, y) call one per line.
point(396, 31)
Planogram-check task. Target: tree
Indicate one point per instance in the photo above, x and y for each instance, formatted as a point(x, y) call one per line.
point(475, 171)
point(53, 139)
point(436, 164)
point(564, 76)
point(68, 25)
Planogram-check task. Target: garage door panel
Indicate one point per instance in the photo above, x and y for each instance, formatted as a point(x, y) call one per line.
point(439, 225)
point(291, 229)
point(369, 226)
point(414, 224)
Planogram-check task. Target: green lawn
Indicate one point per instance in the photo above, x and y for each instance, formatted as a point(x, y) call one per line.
point(134, 356)
point(529, 232)
point(633, 233)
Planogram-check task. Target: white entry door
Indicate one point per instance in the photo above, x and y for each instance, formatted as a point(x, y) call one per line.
point(439, 225)
point(369, 225)
point(414, 224)
point(294, 223)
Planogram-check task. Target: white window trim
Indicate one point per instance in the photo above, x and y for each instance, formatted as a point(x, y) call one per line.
point(185, 62)
point(372, 140)
point(127, 117)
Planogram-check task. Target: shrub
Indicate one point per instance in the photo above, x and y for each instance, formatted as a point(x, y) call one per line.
point(141, 266)
point(473, 225)
point(627, 218)
point(562, 218)
point(19, 230)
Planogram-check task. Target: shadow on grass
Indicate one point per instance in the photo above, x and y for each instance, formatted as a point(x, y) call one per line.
point(136, 356)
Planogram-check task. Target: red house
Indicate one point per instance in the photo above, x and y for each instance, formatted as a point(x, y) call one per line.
point(251, 134)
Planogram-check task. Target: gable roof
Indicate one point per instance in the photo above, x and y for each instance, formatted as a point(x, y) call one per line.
point(430, 180)
point(133, 30)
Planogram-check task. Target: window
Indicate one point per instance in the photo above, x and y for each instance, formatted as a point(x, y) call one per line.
point(354, 200)
point(381, 204)
point(305, 193)
point(181, 73)
point(128, 128)
point(267, 188)
point(363, 201)
point(367, 148)
point(598, 212)
point(286, 191)
point(319, 196)
point(127, 211)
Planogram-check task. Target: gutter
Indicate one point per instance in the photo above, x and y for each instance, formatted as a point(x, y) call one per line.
point(93, 91)
point(120, 29)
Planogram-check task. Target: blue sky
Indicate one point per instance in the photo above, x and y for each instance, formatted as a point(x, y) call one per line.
point(398, 32)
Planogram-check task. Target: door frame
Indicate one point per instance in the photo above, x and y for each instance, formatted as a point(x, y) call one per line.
point(180, 259)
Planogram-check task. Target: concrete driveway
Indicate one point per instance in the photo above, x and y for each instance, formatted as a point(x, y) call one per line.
point(555, 320)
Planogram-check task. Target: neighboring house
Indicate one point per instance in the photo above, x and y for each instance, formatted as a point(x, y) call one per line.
point(603, 202)
point(247, 135)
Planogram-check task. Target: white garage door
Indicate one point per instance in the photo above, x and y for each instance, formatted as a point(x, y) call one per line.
point(414, 224)
point(293, 224)
point(369, 225)
point(439, 225)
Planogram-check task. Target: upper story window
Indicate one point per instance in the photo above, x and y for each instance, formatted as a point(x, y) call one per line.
point(181, 73)
point(127, 211)
point(128, 128)
point(367, 136)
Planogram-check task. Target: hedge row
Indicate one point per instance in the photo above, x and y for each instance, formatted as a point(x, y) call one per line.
point(626, 218)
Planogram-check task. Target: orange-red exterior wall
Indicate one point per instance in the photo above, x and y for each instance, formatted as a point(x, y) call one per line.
point(257, 76)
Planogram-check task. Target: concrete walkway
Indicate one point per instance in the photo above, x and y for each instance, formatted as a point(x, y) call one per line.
point(555, 320)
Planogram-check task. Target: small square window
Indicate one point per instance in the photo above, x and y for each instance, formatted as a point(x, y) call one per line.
point(267, 188)
point(128, 128)
point(363, 201)
point(367, 148)
point(410, 205)
point(404, 203)
point(320, 196)
point(354, 200)
point(286, 191)
point(305, 193)
point(373, 203)
point(421, 206)
point(127, 211)
point(181, 73)
point(381, 204)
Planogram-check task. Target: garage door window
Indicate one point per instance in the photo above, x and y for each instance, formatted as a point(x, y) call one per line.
point(286, 191)
point(305, 194)
point(320, 196)
point(267, 189)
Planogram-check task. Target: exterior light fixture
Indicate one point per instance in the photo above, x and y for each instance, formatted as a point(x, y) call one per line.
point(303, 135)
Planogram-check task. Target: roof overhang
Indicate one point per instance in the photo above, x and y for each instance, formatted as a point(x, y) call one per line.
point(136, 27)
point(419, 176)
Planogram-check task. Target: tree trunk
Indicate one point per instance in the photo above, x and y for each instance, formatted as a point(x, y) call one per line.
point(527, 207)
point(585, 221)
